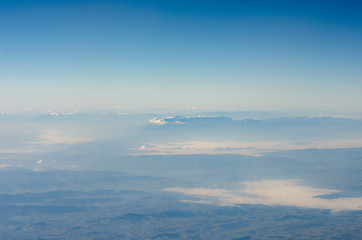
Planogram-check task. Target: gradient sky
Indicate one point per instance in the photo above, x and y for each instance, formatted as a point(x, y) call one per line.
point(231, 55)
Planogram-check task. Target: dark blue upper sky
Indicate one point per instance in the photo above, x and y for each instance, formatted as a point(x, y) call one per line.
point(209, 54)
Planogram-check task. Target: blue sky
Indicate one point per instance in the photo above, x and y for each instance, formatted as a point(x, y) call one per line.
point(233, 55)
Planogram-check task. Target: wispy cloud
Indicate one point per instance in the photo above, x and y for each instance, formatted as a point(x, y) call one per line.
point(4, 165)
point(55, 137)
point(123, 107)
point(273, 192)
point(20, 150)
point(191, 108)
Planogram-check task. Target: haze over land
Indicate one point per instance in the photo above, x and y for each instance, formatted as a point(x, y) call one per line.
point(113, 171)
point(180, 119)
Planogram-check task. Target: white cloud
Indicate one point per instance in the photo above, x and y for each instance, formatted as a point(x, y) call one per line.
point(273, 192)
point(39, 162)
point(158, 121)
point(54, 114)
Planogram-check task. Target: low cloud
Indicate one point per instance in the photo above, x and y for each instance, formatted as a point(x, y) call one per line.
point(242, 148)
point(272, 192)
point(55, 137)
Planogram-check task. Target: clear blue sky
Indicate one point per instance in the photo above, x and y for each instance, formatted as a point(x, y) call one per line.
point(234, 55)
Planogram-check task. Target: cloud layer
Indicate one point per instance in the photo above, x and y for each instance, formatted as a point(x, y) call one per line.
point(55, 137)
point(243, 148)
point(272, 192)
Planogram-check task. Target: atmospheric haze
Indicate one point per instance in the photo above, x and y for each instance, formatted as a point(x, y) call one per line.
point(180, 119)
